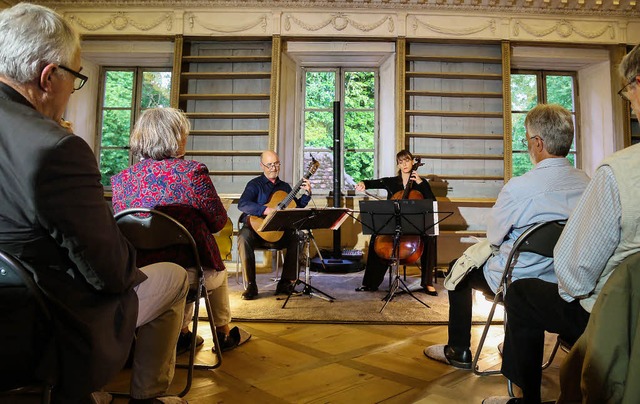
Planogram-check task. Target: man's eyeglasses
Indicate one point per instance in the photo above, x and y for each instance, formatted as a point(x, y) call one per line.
point(625, 90)
point(271, 166)
point(80, 79)
point(525, 140)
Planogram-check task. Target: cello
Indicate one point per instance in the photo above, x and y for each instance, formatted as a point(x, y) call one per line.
point(410, 248)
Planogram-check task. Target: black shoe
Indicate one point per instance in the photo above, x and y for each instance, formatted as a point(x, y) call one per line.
point(460, 359)
point(430, 292)
point(184, 342)
point(444, 353)
point(251, 292)
point(285, 287)
point(366, 289)
point(235, 338)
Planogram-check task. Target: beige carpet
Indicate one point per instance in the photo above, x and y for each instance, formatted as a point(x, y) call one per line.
point(349, 307)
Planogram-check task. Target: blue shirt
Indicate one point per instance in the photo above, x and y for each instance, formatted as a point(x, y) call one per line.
point(258, 192)
point(548, 192)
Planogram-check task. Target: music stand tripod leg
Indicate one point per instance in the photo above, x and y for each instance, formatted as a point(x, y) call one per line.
point(398, 283)
point(308, 289)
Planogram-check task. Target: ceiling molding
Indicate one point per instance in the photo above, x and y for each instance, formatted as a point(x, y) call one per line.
point(617, 8)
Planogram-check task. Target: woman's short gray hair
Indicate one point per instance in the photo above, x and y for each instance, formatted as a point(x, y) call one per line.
point(554, 124)
point(160, 133)
point(31, 37)
point(630, 65)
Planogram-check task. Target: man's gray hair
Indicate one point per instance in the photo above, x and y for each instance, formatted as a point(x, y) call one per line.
point(630, 65)
point(554, 124)
point(160, 133)
point(31, 37)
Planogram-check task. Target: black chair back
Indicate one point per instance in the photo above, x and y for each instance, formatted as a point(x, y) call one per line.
point(28, 359)
point(150, 229)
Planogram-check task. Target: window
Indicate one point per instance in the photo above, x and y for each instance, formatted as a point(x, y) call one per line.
point(357, 89)
point(529, 88)
point(126, 93)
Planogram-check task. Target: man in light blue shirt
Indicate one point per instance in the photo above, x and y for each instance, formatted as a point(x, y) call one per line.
point(603, 230)
point(548, 192)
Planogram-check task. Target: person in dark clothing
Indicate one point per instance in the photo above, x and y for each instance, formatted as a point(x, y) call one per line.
point(376, 266)
point(252, 202)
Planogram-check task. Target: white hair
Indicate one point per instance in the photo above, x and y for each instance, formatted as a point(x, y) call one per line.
point(31, 37)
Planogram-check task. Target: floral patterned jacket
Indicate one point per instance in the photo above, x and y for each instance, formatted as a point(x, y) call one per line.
point(182, 189)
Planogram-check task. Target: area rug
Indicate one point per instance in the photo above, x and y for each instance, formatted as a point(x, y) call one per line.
point(349, 306)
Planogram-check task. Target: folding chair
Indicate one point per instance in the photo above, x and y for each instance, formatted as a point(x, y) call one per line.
point(540, 239)
point(149, 229)
point(29, 366)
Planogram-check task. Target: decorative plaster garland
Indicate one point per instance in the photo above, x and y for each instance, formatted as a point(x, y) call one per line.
point(339, 22)
point(564, 28)
point(261, 21)
point(121, 20)
point(491, 24)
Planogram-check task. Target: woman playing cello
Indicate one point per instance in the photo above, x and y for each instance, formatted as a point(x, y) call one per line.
point(376, 266)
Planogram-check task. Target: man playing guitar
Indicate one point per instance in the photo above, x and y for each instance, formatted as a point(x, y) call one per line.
point(255, 196)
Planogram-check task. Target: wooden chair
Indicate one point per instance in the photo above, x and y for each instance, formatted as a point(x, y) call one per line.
point(29, 365)
point(149, 229)
point(540, 239)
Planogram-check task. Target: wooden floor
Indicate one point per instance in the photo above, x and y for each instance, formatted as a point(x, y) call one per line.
point(329, 363)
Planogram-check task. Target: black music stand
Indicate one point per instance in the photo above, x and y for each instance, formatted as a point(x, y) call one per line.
point(306, 219)
point(397, 218)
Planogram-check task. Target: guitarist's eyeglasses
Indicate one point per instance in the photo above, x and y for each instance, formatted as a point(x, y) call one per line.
point(271, 166)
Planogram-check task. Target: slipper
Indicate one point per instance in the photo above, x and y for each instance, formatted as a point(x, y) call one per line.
point(235, 338)
point(461, 360)
point(240, 335)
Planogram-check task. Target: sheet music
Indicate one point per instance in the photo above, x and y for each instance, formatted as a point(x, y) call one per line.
point(306, 216)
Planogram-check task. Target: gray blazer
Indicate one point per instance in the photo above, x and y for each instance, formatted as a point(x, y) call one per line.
point(53, 217)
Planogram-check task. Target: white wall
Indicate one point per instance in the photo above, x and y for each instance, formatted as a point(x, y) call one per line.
point(81, 110)
point(596, 115)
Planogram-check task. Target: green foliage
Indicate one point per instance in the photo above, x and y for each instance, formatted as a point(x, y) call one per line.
point(560, 91)
point(320, 89)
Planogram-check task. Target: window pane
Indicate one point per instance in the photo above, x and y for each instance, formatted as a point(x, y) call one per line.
point(112, 161)
point(359, 127)
point(524, 92)
point(318, 129)
point(359, 90)
point(358, 166)
point(560, 91)
point(521, 163)
point(116, 127)
point(518, 131)
point(320, 90)
point(118, 89)
point(156, 89)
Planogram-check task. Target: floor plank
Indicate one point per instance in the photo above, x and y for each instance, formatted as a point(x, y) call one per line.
point(337, 363)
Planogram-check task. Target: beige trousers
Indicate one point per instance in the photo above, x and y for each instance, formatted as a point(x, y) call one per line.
point(161, 301)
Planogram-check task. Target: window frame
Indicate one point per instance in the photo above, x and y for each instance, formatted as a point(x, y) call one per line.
point(340, 72)
point(541, 84)
point(135, 109)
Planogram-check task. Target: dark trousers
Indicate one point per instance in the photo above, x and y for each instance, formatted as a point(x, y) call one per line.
point(461, 307)
point(533, 307)
point(249, 240)
point(377, 267)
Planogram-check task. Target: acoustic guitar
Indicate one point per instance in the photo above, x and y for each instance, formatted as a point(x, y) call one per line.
point(281, 200)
